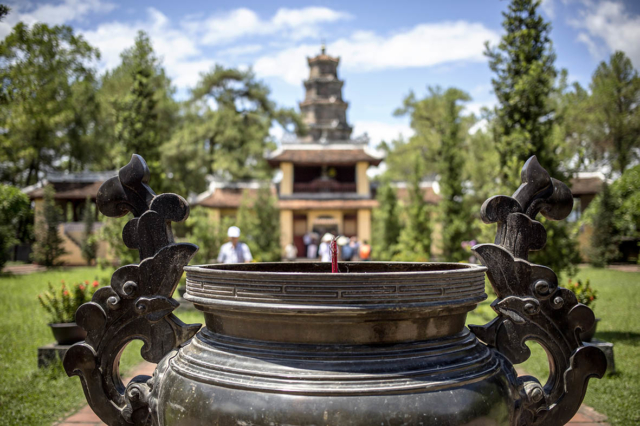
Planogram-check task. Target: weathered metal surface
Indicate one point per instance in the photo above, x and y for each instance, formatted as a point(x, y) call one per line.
point(138, 303)
point(531, 305)
point(291, 343)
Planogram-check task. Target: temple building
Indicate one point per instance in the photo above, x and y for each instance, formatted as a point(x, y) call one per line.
point(324, 185)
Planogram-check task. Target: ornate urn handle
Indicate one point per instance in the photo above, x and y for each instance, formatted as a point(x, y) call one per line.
point(138, 304)
point(531, 305)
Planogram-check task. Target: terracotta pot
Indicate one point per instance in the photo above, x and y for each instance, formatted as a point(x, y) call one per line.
point(587, 336)
point(67, 333)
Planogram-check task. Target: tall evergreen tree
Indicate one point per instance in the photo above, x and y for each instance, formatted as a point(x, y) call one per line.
point(414, 243)
point(229, 139)
point(48, 111)
point(48, 247)
point(523, 63)
point(386, 222)
point(615, 88)
point(15, 210)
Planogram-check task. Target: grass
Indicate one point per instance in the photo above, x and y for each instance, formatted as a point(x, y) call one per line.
point(29, 395)
point(618, 305)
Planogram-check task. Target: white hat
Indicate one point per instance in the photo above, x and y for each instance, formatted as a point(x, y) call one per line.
point(343, 241)
point(327, 237)
point(233, 232)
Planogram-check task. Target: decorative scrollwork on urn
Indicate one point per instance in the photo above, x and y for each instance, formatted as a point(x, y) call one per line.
point(530, 303)
point(138, 304)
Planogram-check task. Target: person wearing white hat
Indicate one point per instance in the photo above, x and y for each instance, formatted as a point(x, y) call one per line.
point(325, 247)
point(234, 251)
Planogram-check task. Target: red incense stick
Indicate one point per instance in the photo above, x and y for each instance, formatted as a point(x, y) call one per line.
point(334, 255)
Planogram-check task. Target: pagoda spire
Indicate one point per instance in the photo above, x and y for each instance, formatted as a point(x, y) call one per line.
point(323, 109)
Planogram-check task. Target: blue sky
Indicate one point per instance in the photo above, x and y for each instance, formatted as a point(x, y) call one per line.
point(386, 48)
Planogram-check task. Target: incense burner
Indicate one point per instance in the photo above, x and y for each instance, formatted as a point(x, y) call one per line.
point(294, 344)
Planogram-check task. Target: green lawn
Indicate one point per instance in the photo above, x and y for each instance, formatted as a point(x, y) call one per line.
point(618, 306)
point(28, 395)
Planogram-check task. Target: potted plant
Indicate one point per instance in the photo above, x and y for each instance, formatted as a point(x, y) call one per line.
point(587, 296)
point(61, 304)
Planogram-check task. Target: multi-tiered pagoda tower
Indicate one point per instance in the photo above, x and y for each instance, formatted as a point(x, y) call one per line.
point(323, 109)
point(324, 186)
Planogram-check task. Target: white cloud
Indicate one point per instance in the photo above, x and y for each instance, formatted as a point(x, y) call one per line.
point(380, 131)
point(53, 14)
point(610, 24)
point(181, 56)
point(245, 49)
point(549, 8)
point(422, 46)
point(290, 23)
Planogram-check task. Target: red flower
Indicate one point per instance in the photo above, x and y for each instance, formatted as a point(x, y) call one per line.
point(82, 287)
point(62, 281)
point(66, 292)
point(86, 281)
point(576, 285)
point(96, 283)
point(591, 298)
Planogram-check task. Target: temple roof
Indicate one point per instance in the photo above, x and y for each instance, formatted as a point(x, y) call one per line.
point(326, 155)
point(71, 186)
point(228, 195)
point(586, 185)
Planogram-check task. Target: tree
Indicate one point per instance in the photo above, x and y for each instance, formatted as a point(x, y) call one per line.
point(89, 245)
point(48, 247)
point(229, 139)
point(15, 210)
point(4, 11)
point(48, 108)
point(207, 234)
point(614, 216)
point(442, 133)
point(386, 222)
point(111, 233)
point(414, 243)
point(523, 63)
point(138, 110)
point(615, 91)
point(259, 220)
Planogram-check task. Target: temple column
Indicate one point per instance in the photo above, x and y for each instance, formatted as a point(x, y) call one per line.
point(364, 225)
point(286, 184)
point(286, 228)
point(362, 180)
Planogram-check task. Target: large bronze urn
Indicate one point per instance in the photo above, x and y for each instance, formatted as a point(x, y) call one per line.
point(378, 343)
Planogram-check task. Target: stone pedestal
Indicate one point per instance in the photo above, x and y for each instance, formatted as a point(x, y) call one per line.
point(607, 348)
point(51, 353)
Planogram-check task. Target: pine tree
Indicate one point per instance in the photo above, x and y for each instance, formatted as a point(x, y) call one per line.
point(48, 246)
point(414, 243)
point(523, 63)
point(89, 246)
point(604, 242)
point(615, 91)
point(386, 222)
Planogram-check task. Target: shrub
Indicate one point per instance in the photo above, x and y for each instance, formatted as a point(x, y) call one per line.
point(48, 247)
point(63, 302)
point(583, 291)
point(14, 213)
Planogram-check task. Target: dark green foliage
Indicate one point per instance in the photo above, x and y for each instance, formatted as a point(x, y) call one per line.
point(414, 243)
point(615, 114)
point(523, 63)
point(614, 215)
point(48, 248)
point(230, 140)
point(207, 234)
point(4, 11)
point(259, 220)
point(15, 212)
point(62, 303)
point(111, 233)
point(386, 222)
point(48, 110)
point(89, 245)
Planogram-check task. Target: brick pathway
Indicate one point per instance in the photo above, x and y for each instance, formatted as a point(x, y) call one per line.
point(586, 416)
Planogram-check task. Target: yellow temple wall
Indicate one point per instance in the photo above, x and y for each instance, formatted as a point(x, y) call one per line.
point(364, 225)
point(286, 228)
point(362, 180)
point(286, 184)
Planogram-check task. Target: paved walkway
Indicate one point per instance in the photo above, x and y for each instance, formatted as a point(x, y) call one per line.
point(586, 416)
point(25, 269)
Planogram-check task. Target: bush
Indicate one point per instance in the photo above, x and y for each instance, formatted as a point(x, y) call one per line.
point(15, 212)
point(62, 303)
point(583, 291)
point(48, 247)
